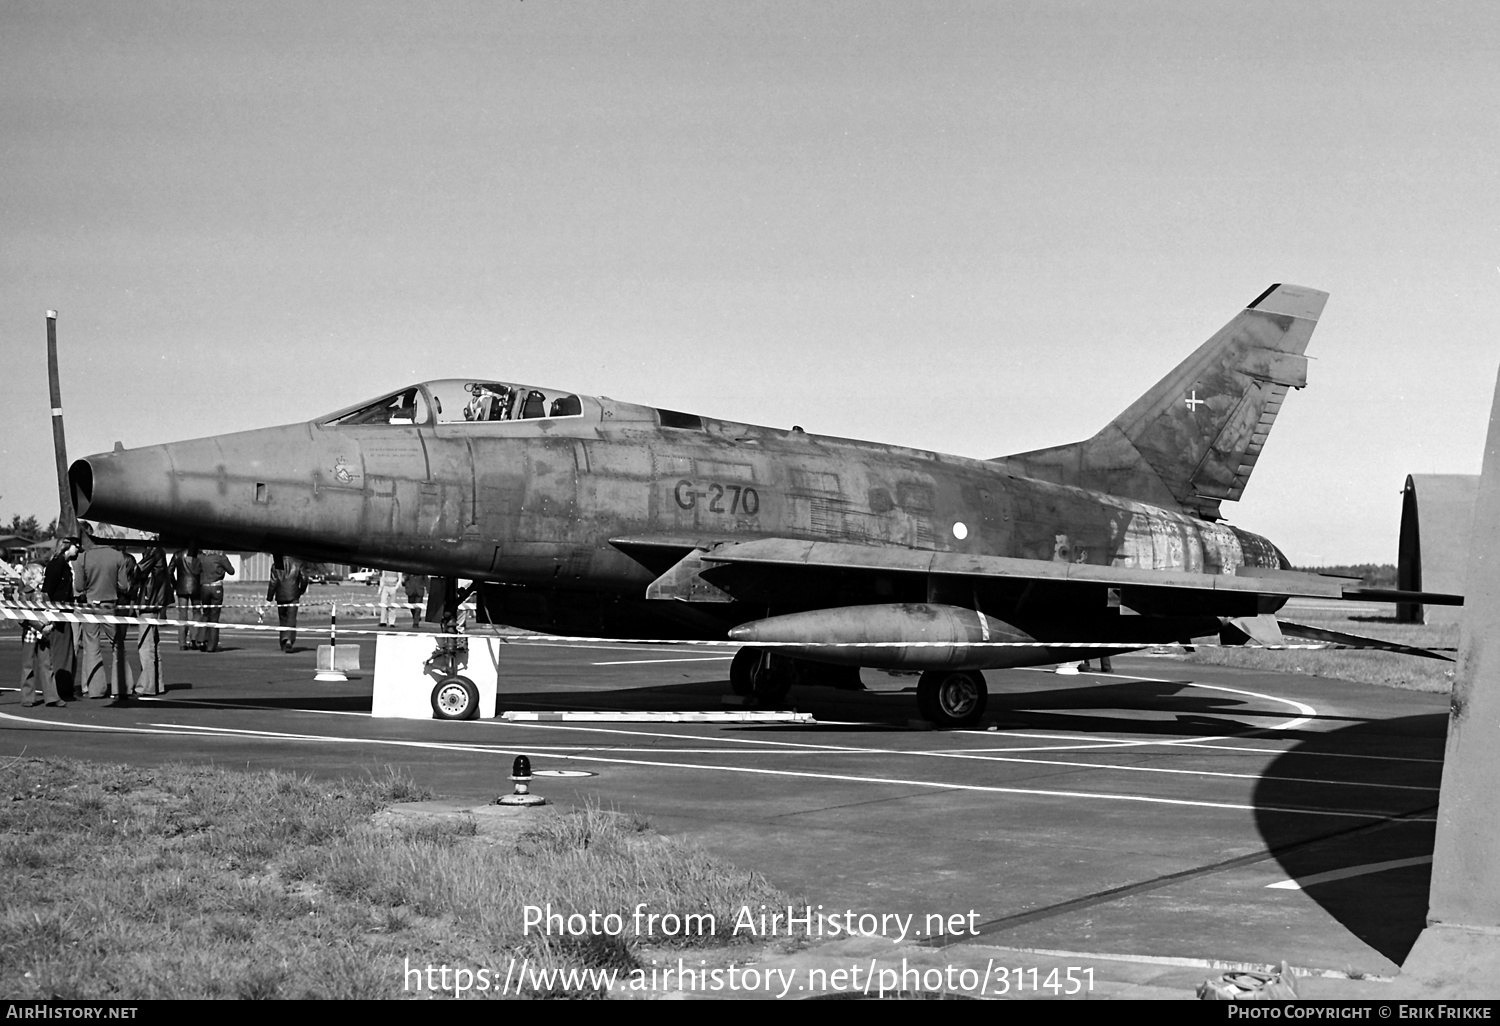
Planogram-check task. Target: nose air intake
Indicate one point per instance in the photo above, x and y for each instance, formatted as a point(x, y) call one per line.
point(81, 482)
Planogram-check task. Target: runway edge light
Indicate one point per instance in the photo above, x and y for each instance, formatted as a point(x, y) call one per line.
point(521, 773)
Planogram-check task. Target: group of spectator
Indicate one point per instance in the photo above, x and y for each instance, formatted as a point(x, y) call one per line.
point(91, 576)
point(392, 583)
point(198, 582)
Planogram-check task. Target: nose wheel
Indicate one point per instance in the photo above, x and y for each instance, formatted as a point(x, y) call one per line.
point(952, 698)
point(455, 698)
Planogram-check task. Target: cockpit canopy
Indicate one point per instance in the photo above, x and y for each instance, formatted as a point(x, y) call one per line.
point(456, 401)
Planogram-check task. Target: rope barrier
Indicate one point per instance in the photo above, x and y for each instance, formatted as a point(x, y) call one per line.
point(315, 604)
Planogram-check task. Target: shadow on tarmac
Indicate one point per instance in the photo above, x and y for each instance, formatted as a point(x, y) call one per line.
point(1386, 909)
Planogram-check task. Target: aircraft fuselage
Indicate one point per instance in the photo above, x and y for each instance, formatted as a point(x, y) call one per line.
point(603, 503)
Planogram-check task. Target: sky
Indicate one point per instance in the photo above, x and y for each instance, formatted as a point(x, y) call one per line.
point(978, 228)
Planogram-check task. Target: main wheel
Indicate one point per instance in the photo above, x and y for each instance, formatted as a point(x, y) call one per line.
point(742, 671)
point(952, 698)
point(455, 698)
point(757, 673)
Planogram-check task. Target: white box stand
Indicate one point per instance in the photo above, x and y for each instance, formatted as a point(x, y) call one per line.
point(346, 657)
point(404, 682)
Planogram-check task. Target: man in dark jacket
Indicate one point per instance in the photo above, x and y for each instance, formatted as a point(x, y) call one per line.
point(153, 594)
point(38, 678)
point(57, 588)
point(416, 589)
point(213, 567)
point(288, 582)
point(185, 570)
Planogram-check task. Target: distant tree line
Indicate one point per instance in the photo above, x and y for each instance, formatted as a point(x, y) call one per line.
point(28, 527)
point(1371, 575)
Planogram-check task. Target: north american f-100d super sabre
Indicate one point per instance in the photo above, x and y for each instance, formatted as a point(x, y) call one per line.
point(581, 515)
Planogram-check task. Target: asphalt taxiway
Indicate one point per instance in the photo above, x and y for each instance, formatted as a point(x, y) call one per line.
point(1169, 812)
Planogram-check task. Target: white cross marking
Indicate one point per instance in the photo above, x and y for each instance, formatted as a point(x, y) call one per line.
point(1194, 402)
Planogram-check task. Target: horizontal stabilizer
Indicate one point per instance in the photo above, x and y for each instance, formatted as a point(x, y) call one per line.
point(1429, 598)
point(1309, 633)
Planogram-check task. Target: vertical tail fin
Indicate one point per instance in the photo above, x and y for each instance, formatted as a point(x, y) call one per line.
point(1194, 438)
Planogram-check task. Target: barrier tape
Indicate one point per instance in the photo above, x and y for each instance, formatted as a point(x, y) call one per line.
point(64, 615)
point(316, 604)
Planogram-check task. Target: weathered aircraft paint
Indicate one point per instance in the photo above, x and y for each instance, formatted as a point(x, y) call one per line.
point(584, 515)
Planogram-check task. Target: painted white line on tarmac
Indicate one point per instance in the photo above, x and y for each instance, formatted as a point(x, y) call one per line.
point(1195, 743)
point(838, 777)
point(199, 703)
point(1346, 873)
point(1307, 711)
point(815, 749)
point(250, 735)
point(645, 716)
point(174, 730)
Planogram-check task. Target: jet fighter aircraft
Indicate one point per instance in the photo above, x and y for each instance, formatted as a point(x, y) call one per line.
point(582, 515)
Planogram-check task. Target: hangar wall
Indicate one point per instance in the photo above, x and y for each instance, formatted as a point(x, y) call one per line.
point(1437, 513)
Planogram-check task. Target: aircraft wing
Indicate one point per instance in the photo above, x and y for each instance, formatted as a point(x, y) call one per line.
point(845, 556)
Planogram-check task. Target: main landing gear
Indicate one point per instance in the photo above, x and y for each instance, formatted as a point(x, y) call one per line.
point(952, 698)
point(760, 674)
point(756, 673)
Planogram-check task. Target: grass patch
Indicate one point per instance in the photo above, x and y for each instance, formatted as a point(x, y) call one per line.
point(1387, 669)
point(1365, 666)
point(194, 882)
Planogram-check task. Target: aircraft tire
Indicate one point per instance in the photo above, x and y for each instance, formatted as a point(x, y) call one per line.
point(772, 688)
point(455, 698)
point(756, 674)
point(952, 698)
point(742, 670)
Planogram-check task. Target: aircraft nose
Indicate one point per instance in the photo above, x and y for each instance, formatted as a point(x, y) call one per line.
point(273, 486)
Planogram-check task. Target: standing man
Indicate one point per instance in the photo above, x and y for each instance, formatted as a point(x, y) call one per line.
point(288, 582)
point(390, 585)
point(416, 590)
point(100, 577)
point(57, 589)
point(213, 566)
point(153, 594)
point(185, 570)
point(37, 640)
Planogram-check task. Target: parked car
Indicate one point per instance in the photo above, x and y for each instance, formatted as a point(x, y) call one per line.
point(367, 577)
